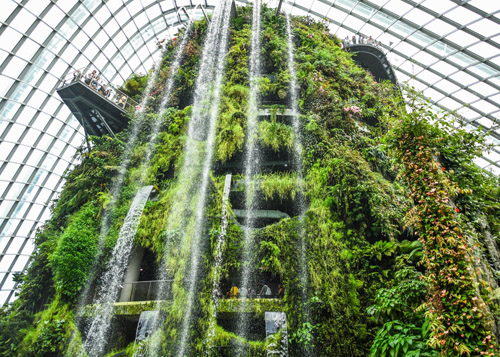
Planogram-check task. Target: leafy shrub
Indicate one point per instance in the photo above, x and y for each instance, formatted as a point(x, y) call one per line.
point(74, 255)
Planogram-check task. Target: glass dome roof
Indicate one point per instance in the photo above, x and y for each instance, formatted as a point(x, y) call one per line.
point(449, 49)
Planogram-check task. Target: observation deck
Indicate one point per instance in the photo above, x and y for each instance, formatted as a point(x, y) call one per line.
point(99, 112)
point(373, 59)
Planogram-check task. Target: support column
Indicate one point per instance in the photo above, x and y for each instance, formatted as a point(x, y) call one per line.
point(132, 275)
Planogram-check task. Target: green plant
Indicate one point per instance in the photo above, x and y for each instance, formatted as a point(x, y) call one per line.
point(73, 258)
point(398, 339)
point(304, 335)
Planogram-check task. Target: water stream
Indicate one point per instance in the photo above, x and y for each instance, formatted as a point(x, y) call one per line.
point(97, 336)
point(136, 126)
point(297, 166)
point(252, 166)
point(186, 215)
point(197, 120)
point(219, 250)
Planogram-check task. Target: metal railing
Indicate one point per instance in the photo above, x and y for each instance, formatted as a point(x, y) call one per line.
point(92, 81)
point(147, 290)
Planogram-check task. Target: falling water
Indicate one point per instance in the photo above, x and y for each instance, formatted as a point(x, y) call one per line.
point(297, 165)
point(97, 335)
point(96, 340)
point(174, 67)
point(198, 117)
point(194, 176)
point(137, 124)
point(116, 187)
point(252, 164)
point(219, 250)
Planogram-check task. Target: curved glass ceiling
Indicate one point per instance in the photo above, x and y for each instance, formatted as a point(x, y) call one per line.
point(450, 49)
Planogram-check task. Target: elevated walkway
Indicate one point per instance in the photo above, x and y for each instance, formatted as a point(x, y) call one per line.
point(226, 306)
point(373, 59)
point(98, 113)
point(130, 308)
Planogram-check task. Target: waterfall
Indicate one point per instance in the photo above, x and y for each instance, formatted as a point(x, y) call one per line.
point(219, 250)
point(96, 340)
point(187, 211)
point(174, 67)
point(116, 187)
point(145, 325)
point(192, 277)
point(297, 166)
point(276, 322)
point(252, 164)
point(136, 126)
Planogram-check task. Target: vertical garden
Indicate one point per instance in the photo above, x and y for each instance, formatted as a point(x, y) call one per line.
point(395, 254)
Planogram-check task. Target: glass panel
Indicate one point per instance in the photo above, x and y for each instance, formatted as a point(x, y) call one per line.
point(102, 15)
point(41, 32)
point(37, 99)
point(25, 229)
point(461, 38)
point(9, 283)
point(428, 77)
point(53, 17)
point(28, 49)
point(23, 21)
point(485, 107)
point(443, 68)
point(91, 27)
point(66, 6)
point(440, 27)
point(463, 78)
point(439, 6)
point(398, 7)
point(5, 84)
point(7, 8)
point(487, 6)
point(13, 37)
point(35, 211)
point(484, 27)
point(16, 243)
point(21, 262)
point(122, 16)
point(34, 158)
point(14, 191)
point(484, 50)
point(484, 89)
point(5, 149)
point(446, 86)
point(419, 17)
point(15, 132)
point(450, 103)
point(466, 96)
point(461, 15)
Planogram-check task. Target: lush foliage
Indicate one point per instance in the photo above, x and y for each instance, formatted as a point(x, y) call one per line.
point(398, 232)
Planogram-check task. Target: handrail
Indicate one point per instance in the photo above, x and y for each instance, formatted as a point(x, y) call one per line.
point(146, 290)
point(106, 90)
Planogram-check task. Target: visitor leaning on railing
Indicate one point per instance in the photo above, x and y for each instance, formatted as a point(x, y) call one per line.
point(93, 81)
point(359, 40)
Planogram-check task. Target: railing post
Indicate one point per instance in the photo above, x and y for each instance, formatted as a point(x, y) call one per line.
point(149, 289)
